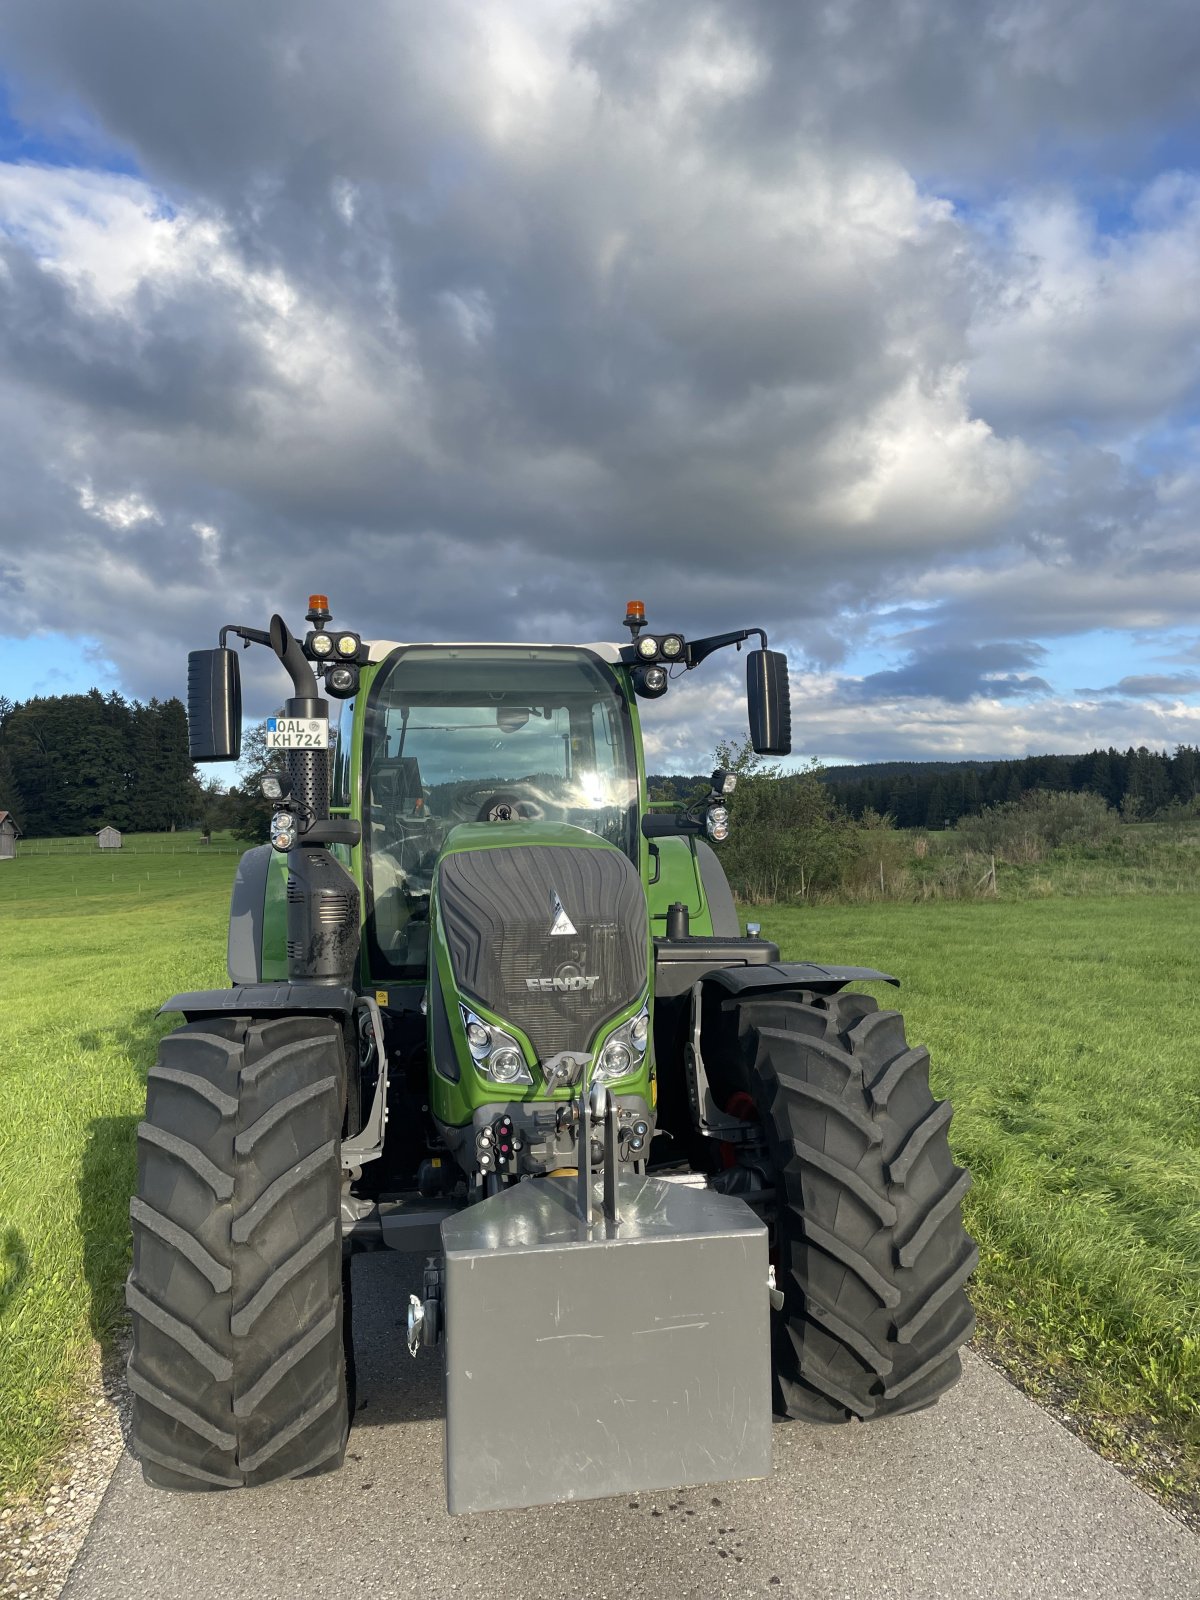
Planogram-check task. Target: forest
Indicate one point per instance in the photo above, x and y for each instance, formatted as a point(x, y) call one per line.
point(72, 764)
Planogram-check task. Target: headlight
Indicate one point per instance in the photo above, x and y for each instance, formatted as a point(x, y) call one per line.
point(322, 644)
point(647, 647)
point(505, 1065)
point(495, 1053)
point(347, 644)
point(716, 822)
point(283, 830)
point(672, 646)
point(615, 1059)
point(623, 1049)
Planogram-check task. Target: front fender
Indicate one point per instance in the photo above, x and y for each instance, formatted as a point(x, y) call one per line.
point(793, 975)
point(258, 999)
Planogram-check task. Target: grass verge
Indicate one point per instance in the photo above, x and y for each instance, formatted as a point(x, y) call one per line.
point(1063, 1032)
point(89, 948)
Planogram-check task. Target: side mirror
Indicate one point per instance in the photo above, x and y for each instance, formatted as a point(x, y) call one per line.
point(769, 702)
point(214, 705)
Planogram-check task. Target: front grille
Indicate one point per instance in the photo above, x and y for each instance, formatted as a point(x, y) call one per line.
point(497, 907)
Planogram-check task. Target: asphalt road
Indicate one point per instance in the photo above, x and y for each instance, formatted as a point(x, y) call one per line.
point(984, 1495)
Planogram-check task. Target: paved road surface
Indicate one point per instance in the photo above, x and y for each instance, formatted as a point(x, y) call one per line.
point(984, 1495)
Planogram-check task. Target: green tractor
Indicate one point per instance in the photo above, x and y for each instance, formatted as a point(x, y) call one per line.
point(490, 1009)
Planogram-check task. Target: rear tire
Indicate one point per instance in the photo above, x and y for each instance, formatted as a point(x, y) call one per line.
point(237, 1370)
point(870, 1250)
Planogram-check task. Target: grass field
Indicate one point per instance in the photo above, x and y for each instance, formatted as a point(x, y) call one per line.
point(89, 948)
point(1064, 1033)
point(1062, 1030)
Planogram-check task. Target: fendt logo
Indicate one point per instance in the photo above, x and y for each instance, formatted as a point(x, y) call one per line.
point(563, 985)
point(560, 922)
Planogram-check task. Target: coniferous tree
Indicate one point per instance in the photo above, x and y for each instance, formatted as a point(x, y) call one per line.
point(71, 764)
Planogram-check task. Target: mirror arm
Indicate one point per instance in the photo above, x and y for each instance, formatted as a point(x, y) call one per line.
point(699, 649)
point(250, 635)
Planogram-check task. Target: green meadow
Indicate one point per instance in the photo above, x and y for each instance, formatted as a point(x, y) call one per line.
point(1064, 1033)
point(1061, 1028)
point(90, 945)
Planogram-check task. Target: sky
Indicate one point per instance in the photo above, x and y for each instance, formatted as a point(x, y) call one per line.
point(875, 323)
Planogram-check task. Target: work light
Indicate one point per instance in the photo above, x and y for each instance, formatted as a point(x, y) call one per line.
point(650, 682)
point(342, 681)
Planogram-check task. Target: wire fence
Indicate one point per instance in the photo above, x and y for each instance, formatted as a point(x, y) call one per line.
point(66, 848)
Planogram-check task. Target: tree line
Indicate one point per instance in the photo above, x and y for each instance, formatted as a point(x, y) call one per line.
point(1137, 783)
point(933, 794)
point(72, 764)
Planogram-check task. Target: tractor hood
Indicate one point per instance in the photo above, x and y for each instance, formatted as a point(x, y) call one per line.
point(544, 927)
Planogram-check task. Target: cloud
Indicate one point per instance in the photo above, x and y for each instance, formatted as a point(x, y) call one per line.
point(956, 675)
point(484, 318)
point(965, 92)
point(1093, 329)
point(1140, 685)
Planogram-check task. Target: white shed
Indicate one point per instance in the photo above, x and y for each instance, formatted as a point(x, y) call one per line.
point(109, 839)
point(9, 834)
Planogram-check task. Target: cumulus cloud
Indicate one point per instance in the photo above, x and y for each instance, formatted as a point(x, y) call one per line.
point(1090, 328)
point(482, 318)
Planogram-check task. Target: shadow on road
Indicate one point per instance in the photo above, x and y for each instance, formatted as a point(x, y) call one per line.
point(392, 1387)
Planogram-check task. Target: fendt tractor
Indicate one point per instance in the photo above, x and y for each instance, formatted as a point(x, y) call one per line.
point(491, 1009)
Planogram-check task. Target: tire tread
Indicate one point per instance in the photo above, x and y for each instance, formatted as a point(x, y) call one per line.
point(871, 1254)
point(238, 1367)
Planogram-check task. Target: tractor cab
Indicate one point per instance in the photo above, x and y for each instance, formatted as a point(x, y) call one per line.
point(461, 734)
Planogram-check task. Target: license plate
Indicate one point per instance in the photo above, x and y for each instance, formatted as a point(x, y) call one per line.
point(297, 733)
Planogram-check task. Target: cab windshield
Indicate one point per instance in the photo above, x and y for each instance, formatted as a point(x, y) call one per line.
point(483, 734)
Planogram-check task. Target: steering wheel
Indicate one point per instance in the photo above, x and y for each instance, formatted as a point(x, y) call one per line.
point(509, 807)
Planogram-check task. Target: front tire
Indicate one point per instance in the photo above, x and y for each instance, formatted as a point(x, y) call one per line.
point(870, 1249)
point(237, 1369)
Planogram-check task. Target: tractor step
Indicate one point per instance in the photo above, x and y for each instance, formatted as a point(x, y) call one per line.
point(603, 1359)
